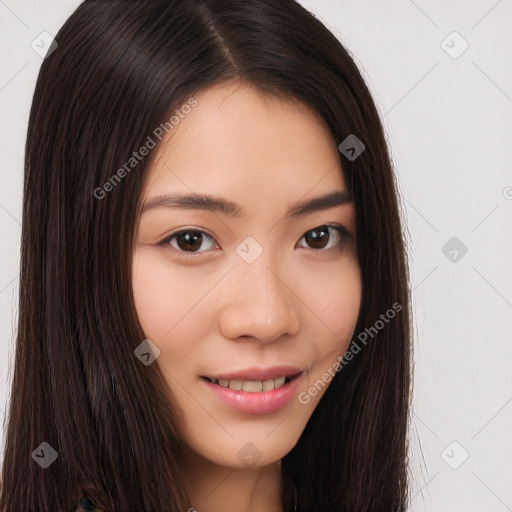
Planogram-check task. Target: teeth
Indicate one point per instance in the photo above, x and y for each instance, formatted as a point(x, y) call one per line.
point(235, 384)
point(268, 385)
point(250, 386)
point(279, 382)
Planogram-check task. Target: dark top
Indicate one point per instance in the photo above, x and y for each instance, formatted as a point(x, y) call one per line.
point(87, 505)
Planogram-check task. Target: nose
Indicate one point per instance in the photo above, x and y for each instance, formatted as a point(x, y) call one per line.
point(259, 303)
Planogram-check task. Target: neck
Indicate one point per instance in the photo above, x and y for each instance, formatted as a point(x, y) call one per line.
point(214, 488)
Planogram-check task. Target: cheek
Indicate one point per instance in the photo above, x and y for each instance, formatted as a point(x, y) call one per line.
point(157, 307)
point(165, 294)
point(335, 298)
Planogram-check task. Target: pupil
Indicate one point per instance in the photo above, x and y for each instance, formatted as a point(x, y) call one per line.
point(189, 240)
point(315, 235)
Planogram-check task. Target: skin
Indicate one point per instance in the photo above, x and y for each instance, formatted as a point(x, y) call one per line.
point(214, 312)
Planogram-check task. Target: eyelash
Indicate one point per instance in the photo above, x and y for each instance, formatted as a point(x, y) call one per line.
point(342, 232)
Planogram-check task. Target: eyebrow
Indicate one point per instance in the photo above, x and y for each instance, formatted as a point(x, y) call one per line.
point(218, 204)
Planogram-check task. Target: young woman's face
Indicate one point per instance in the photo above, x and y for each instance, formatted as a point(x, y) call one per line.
point(250, 293)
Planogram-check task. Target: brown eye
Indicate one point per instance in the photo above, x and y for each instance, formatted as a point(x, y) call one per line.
point(189, 240)
point(319, 237)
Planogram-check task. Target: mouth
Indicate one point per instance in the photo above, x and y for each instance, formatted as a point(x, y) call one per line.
point(271, 393)
point(253, 385)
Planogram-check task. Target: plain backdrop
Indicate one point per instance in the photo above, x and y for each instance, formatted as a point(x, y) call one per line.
point(441, 76)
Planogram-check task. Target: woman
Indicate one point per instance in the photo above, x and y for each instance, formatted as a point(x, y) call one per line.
point(214, 309)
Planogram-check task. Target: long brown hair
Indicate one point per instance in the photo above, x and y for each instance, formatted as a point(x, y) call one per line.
point(120, 69)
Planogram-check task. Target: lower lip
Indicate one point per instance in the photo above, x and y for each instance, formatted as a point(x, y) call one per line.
point(263, 402)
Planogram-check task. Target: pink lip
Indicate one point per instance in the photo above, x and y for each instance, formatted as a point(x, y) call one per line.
point(264, 402)
point(260, 373)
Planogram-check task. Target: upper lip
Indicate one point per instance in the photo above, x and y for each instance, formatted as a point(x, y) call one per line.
point(260, 373)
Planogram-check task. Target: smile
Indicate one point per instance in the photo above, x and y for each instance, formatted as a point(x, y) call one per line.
point(253, 386)
point(255, 396)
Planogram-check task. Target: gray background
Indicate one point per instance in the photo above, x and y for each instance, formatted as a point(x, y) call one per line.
point(448, 116)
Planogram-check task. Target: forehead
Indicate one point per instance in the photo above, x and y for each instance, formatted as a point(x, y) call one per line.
point(239, 137)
